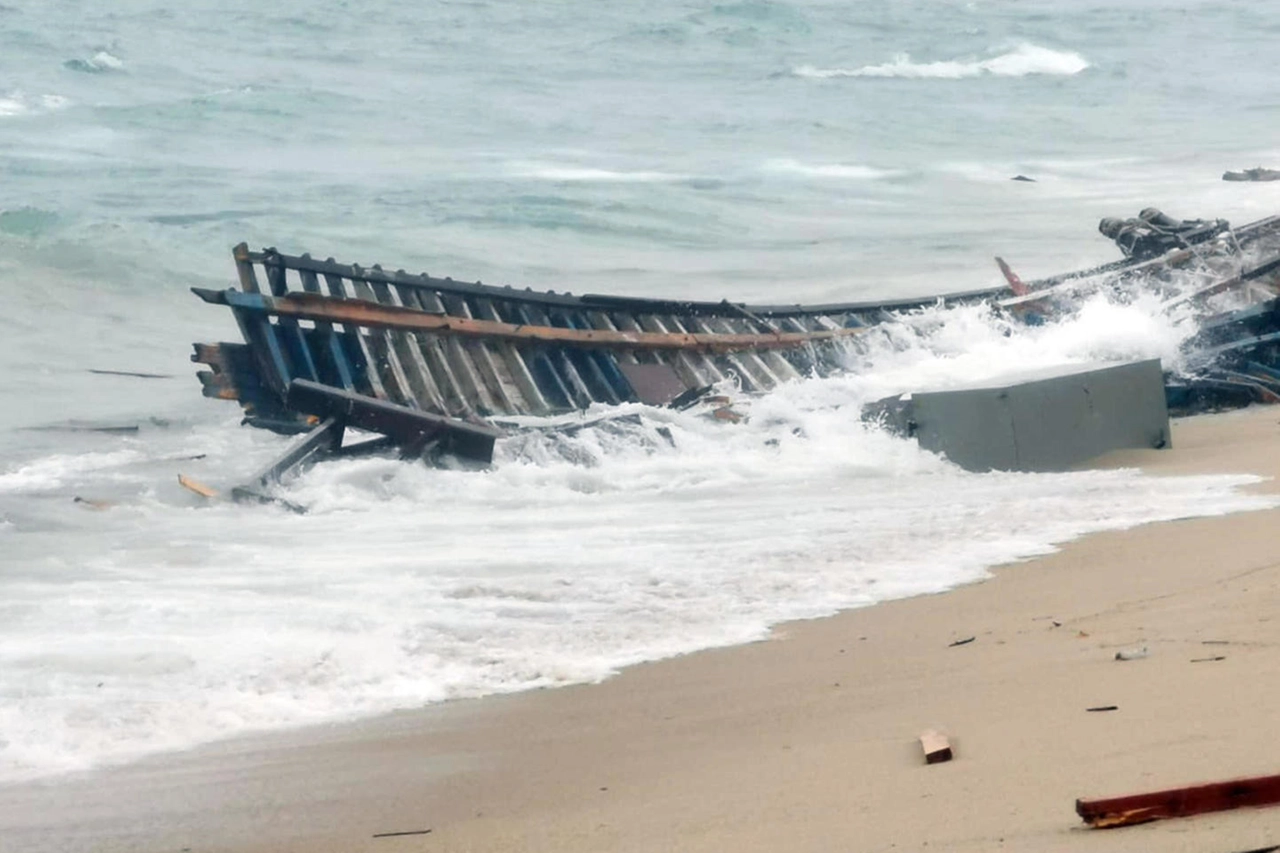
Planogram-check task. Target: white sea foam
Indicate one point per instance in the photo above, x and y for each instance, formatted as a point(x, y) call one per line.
point(106, 61)
point(51, 472)
point(651, 533)
point(101, 62)
point(17, 103)
point(12, 105)
point(1024, 60)
point(564, 172)
point(848, 171)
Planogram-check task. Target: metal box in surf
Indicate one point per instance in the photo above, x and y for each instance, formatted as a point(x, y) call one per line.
point(1047, 420)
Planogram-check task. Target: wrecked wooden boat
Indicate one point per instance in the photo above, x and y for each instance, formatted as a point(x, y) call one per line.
point(433, 364)
point(469, 351)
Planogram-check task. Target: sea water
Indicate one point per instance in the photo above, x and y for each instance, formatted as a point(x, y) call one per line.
point(772, 151)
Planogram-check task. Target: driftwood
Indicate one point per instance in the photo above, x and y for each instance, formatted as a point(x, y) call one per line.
point(1180, 802)
point(398, 834)
point(134, 373)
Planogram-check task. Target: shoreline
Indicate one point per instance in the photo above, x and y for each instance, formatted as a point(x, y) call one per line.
point(804, 741)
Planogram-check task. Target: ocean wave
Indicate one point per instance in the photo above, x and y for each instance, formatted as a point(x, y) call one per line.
point(51, 472)
point(851, 171)
point(17, 103)
point(557, 172)
point(27, 221)
point(1022, 61)
point(100, 63)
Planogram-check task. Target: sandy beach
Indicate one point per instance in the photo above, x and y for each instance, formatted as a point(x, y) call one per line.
point(806, 742)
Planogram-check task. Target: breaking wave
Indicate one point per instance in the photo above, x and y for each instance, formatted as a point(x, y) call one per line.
point(851, 171)
point(17, 103)
point(100, 63)
point(557, 172)
point(1025, 60)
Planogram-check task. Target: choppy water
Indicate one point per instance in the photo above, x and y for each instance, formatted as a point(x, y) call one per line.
point(757, 150)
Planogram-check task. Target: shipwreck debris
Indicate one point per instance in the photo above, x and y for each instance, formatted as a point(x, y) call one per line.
point(133, 373)
point(460, 349)
point(414, 433)
point(400, 833)
point(390, 351)
point(1180, 802)
point(936, 746)
point(1035, 421)
point(1255, 174)
point(197, 487)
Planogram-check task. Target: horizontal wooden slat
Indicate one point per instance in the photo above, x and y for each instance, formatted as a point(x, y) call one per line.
point(370, 314)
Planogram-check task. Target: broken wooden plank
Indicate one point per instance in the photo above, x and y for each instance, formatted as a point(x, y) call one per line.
point(196, 486)
point(134, 373)
point(400, 423)
point(371, 314)
point(1180, 802)
point(936, 746)
point(401, 833)
point(324, 438)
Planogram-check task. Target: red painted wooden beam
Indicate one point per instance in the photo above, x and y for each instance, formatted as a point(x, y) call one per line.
point(1180, 802)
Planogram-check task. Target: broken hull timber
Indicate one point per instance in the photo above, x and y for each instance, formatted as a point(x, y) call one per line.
point(469, 350)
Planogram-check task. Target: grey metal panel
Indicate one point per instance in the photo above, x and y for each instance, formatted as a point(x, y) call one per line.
point(1046, 423)
point(973, 429)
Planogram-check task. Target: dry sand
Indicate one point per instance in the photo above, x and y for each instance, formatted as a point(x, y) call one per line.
point(806, 742)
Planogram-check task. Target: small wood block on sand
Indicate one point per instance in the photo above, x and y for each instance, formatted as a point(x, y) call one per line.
point(936, 747)
point(1180, 802)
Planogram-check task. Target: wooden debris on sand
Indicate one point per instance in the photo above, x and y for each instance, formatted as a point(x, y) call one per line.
point(936, 746)
point(1180, 802)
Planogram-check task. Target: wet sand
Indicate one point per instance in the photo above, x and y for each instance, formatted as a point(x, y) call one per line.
point(806, 742)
